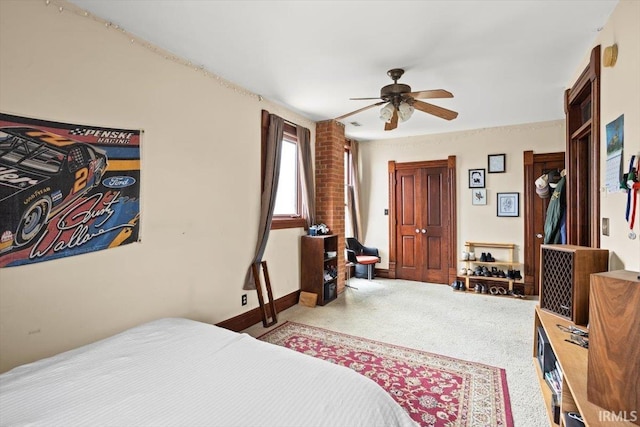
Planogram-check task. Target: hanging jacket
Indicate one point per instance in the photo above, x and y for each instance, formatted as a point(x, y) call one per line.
point(555, 213)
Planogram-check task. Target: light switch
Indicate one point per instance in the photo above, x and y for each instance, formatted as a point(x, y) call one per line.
point(605, 226)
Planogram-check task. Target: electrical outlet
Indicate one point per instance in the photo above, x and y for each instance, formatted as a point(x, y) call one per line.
point(244, 299)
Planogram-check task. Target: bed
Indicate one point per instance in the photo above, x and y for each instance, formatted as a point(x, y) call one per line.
point(181, 372)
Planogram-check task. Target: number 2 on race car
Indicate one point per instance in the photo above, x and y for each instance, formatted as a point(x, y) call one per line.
point(81, 179)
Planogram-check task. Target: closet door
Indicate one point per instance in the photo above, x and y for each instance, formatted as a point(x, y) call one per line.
point(422, 212)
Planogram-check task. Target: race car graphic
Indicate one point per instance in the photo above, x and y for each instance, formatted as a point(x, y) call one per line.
point(40, 174)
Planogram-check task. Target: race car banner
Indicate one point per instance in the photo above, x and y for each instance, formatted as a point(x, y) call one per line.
point(66, 189)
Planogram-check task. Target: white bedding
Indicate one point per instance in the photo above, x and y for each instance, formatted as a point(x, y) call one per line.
point(180, 372)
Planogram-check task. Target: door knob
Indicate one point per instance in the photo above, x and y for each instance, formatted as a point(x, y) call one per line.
point(417, 230)
point(539, 236)
point(424, 231)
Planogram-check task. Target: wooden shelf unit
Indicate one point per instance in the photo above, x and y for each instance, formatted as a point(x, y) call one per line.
point(573, 362)
point(509, 262)
point(314, 262)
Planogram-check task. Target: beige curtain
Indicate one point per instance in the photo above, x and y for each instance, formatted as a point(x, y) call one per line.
point(306, 175)
point(354, 193)
point(271, 173)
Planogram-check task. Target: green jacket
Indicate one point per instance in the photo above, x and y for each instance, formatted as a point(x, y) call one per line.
point(555, 211)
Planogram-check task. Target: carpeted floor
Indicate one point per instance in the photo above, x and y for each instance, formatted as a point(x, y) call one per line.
point(435, 390)
point(493, 330)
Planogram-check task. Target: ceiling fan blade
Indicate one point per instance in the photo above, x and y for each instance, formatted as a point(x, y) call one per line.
point(360, 110)
point(436, 93)
point(363, 99)
point(435, 110)
point(393, 123)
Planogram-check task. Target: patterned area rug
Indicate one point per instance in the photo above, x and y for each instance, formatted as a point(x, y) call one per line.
point(435, 390)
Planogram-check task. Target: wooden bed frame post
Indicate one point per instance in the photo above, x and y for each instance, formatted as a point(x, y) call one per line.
point(271, 303)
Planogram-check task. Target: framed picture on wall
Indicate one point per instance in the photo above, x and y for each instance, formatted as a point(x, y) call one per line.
point(479, 196)
point(508, 204)
point(497, 163)
point(476, 178)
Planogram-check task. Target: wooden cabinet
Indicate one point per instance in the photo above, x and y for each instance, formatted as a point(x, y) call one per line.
point(572, 360)
point(319, 267)
point(564, 279)
point(614, 342)
point(505, 262)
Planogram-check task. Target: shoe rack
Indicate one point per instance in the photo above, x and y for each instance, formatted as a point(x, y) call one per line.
point(506, 261)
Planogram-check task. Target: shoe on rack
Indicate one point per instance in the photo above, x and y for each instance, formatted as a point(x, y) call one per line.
point(465, 256)
point(494, 271)
point(472, 256)
point(510, 274)
point(493, 290)
point(478, 288)
point(483, 257)
point(455, 285)
point(490, 258)
point(517, 275)
point(463, 271)
point(502, 291)
point(463, 287)
point(502, 274)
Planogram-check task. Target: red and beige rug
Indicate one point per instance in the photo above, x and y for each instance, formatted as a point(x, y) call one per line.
point(435, 390)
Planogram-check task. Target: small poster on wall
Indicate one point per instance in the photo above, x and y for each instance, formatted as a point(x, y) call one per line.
point(615, 146)
point(66, 189)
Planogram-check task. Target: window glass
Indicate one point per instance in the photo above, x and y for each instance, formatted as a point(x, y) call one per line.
point(287, 196)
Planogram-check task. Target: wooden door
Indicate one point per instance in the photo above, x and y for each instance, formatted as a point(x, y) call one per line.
point(409, 253)
point(536, 212)
point(434, 211)
point(422, 212)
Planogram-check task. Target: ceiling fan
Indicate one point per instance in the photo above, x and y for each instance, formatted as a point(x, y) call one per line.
point(401, 102)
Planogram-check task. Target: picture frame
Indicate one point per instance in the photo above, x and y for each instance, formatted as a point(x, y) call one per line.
point(476, 178)
point(479, 197)
point(497, 163)
point(508, 204)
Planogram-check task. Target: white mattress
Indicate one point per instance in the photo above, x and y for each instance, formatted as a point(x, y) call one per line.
point(181, 372)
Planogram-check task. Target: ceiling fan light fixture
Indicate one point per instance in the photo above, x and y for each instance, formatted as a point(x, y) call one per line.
point(405, 111)
point(386, 112)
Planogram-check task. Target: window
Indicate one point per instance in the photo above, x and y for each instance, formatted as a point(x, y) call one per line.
point(348, 223)
point(288, 207)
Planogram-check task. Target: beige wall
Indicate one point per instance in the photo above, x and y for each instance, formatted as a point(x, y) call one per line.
point(620, 94)
point(200, 185)
point(475, 223)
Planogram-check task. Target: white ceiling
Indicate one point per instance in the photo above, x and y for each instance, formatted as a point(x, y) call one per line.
point(505, 61)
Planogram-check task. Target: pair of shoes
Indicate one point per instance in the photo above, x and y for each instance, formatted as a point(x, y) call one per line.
point(497, 290)
point(458, 285)
point(480, 289)
point(514, 275)
point(465, 256)
point(517, 293)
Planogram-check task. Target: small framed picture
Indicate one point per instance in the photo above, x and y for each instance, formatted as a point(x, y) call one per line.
point(497, 163)
point(479, 196)
point(508, 204)
point(476, 178)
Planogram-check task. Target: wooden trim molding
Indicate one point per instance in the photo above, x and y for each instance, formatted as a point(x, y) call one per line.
point(392, 220)
point(583, 156)
point(529, 231)
point(450, 164)
point(251, 317)
point(453, 219)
